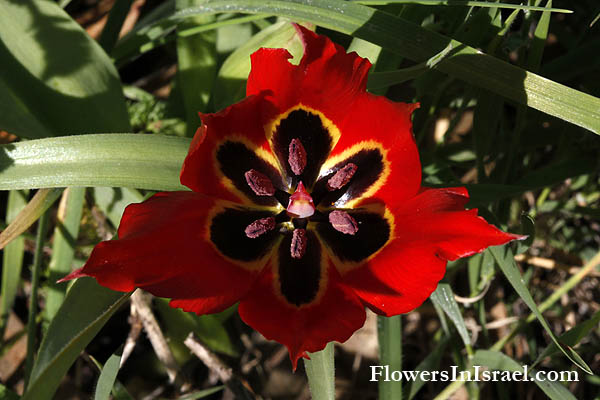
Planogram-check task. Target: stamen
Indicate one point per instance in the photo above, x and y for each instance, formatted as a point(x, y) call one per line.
point(343, 222)
point(297, 156)
point(259, 183)
point(259, 227)
point(341, 177)
point(298, 246)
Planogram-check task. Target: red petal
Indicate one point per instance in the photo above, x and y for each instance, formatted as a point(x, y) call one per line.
point(162, 248)
point(398, 280)
point(241, 122)
point(309, 328)
point(375, 119)
point(327, 78)
point(437, 217)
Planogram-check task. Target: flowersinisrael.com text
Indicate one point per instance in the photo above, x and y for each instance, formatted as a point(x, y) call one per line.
point(477, 374)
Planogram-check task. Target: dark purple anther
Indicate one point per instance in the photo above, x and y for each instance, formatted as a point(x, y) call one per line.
point(298, 246)
point(297, 156)
point(259, 183)
point(341, 177)
point(259, 227)
point(343, 222)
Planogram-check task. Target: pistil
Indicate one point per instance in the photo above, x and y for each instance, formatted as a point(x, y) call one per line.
point(297, 156)
point(301, 204)
point(343, 222)
point(260, 227)
point(259, 183)
point(341, 177)
point(298, 245)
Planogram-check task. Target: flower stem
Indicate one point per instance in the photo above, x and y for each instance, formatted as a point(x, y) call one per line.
point(320, 373)
point(389, 333)
point(35, 280)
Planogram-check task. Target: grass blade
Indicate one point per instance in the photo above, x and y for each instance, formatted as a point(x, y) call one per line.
point(389, 335)
point(85, 310)
point(108, 376)
point(40, 202)
point(444, 298)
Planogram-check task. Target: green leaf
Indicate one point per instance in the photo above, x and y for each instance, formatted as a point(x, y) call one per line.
point(112, 201)
point(114, 24)
point(429, 363)
point(464, 3)
point(85, 310)
point(197, 65)
point(202, 393)
point(389, 335)
point(40, 202)
point(419, 44)
point(108, 376)
point(48, 88)
point(63, 248)
point(444, 298)
point(230, 85)
point(12, 259)
point(320, 373)
point(139, 161)
point(571, 337)
point(505, 259)
point(495, 360)
point(6, 394)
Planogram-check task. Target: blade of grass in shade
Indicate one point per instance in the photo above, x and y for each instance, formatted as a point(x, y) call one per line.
point(419, 44)
point(505, 259)
point(444, 298)
point(66, 231)
point(37, 85)
point(85, 310)
point(389, 335)
point(462, 3)
point(112, 201)
point(196, 65)
point(429, 363)
point(33, 296)
point(114, 24)
point(321, 374)
point(571, 337)
point(501, 362)
point(40, 202)
point(118, 390)
point(108, 376)
point(12, 259)
point(202, 393)
point(230, 85)
point(140, 161)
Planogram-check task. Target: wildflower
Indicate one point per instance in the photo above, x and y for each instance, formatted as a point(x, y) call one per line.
point(306, 206)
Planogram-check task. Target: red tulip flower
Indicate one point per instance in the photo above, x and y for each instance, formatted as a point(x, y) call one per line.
point(305, 206)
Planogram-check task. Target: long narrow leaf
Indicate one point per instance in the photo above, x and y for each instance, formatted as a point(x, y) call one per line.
point(419, 44)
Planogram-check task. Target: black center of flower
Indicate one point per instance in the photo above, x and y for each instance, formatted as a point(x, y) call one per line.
point(300, 206)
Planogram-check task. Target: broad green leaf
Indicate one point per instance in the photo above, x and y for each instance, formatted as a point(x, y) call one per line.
point(495, 360)
point(389, 336)
point(12, 259)
point(48, 88)
point(63, 248)
point(108, 376)
point(85, 310)
point(230, 85)
point(139, 161)
point(40, 202)
point(444, 298)
point(571, 337)
point(320, 373)
point(419, 44)
point(505, 259)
